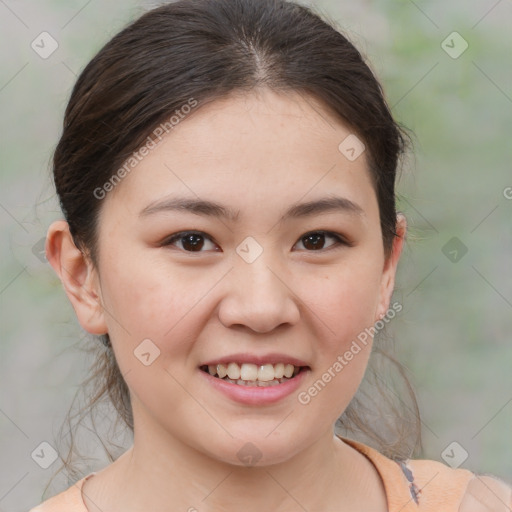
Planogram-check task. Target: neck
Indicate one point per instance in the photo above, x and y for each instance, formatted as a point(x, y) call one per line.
point(159, 473)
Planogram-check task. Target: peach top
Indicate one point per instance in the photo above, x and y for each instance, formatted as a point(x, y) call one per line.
point(411, 486)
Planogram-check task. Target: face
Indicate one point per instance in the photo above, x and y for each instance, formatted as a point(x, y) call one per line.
point(258, 281)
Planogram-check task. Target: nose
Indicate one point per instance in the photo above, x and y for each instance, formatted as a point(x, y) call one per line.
point(259, 296)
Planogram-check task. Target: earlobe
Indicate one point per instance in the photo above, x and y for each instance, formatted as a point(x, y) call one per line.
point(78, 276)
point(390, 267)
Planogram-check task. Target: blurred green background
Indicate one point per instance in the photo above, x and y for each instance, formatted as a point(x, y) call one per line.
point(455, 278)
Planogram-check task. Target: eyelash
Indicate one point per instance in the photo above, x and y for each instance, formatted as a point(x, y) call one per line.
point(339, 240)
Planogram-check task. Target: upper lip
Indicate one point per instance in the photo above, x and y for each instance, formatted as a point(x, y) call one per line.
point(258, 360)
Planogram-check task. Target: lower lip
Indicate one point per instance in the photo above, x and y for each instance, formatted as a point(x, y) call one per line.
point(256, 395)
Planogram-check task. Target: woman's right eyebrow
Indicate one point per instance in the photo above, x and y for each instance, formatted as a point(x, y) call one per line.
point(210, 208)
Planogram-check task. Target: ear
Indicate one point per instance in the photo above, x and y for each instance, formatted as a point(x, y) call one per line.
point(78, 276)
point(390, 265)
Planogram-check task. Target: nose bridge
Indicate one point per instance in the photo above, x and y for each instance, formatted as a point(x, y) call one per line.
point(253, 265)
point(258, 296)
point(259, 278)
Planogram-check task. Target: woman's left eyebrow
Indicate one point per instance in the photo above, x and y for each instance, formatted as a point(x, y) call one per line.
point(213, 209)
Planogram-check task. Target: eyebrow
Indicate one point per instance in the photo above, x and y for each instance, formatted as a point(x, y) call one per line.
point(213, 209)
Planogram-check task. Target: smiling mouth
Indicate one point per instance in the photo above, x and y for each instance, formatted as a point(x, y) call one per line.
point(248, 374)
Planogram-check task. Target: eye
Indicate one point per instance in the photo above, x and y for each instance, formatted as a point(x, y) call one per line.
point(315, 240)
point(195, 241)
point(191, 241)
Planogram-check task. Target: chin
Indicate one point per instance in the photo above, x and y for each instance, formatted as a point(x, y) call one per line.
point(256, 450)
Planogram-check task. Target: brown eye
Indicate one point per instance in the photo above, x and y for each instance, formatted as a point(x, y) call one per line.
point(190, 241)
point(315, 241)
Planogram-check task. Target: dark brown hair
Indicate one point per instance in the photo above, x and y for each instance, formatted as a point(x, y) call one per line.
point(206, 50)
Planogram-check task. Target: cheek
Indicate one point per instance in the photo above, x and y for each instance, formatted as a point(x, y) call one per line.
point(147, 302)
point(149, 298)
point(344, 314)
point(153, 302)
point(343, 299)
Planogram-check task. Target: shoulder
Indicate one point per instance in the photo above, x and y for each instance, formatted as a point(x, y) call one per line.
point(68, 501)
point(433, 486)
point(486, 493)
point(473, 493)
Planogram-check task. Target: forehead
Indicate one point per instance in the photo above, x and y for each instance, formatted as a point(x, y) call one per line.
point(247, 149)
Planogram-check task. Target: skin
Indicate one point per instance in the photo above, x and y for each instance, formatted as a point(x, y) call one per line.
point(258, 153)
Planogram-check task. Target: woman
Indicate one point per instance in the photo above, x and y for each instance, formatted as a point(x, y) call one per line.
point(226, 173)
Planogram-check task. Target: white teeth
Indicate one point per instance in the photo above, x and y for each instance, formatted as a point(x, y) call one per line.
point(252, 374)
point(233, 371)
point(222, 370)
point(248, 371)
point(279, 370)
point(288, 370)
point(266, 372)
